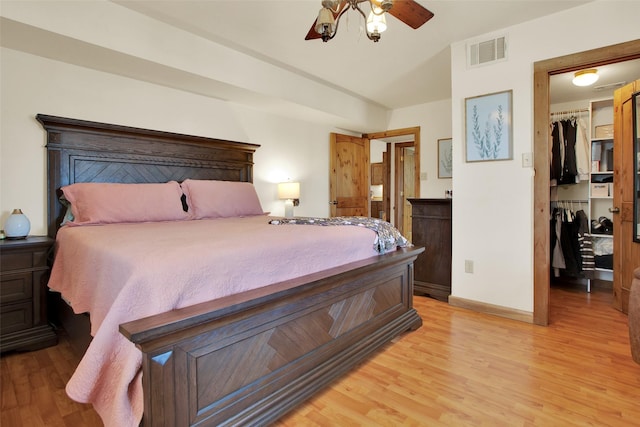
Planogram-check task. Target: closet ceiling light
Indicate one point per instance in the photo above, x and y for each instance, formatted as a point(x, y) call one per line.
point(585, 77)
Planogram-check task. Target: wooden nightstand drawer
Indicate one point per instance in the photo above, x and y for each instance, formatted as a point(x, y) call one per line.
point(24, 259)
point(16, 317)
point(16, 261)
point(16, 287)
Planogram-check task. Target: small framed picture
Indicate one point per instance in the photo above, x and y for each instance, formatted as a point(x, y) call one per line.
point(445, 160)
point(488, 128)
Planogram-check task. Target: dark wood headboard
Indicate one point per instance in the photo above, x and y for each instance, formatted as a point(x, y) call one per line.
point(84, 151)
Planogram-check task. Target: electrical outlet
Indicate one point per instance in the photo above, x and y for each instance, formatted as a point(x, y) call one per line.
point(468, 266)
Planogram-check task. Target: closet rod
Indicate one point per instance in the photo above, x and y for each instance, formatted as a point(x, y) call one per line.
point(570, 201)
point(582, 110)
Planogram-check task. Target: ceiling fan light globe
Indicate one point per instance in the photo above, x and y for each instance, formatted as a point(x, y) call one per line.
point(325, 22)
point(376, 23)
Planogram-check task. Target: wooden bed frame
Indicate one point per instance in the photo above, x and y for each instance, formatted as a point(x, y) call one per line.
point(247, 358)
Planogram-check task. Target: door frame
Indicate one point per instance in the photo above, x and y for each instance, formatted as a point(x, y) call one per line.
point(542, 70)
point(413, 132)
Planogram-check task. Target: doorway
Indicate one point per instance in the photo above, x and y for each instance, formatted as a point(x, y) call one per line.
point(395, 137)
point(391, 137)
point(541, 198)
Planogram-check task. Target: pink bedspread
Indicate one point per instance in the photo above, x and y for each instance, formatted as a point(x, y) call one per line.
point(122, 272)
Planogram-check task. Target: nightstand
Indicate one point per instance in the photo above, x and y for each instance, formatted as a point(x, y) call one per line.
point(24, 272)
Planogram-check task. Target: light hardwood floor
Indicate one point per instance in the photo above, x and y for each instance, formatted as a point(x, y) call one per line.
point(460, 369)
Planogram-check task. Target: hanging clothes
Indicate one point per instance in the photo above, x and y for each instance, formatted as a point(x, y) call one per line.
point(556, 160)
point(583, 161)
point(586, 245)
point(557, 260)
point(571, 244)
point(570, 162)
point(569, 167)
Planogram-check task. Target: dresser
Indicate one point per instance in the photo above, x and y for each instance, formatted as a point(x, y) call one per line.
point(431, 228)
point(24, 272)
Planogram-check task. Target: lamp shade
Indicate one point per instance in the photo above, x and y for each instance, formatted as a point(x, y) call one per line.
point(585, 77)
point(17, 225)
point(289, 190)
point(325, 19)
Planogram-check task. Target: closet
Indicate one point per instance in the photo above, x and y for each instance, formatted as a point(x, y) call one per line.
point(581, 192)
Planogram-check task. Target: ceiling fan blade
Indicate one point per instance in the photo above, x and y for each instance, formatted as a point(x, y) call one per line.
point(410, 12)
point(312, 31)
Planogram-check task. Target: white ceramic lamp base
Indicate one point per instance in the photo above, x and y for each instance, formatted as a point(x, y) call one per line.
point(288, 208)
point(17, 225)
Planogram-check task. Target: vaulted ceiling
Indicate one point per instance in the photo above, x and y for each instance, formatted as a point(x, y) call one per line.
point(407, 67)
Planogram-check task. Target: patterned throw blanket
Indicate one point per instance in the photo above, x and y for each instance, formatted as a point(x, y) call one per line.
point(388, 238)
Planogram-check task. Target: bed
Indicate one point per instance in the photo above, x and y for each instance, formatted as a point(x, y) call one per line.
point(245, 357)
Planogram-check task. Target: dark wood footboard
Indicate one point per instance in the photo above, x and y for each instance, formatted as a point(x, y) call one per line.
point(249, 358)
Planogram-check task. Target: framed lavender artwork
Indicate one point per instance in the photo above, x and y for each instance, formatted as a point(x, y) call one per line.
point(488, 129)
point(445, 160)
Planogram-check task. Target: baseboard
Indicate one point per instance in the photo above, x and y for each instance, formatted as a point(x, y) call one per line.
point(497, 310)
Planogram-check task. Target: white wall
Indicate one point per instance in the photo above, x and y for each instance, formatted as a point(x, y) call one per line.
point(492, 219)
point(434, 120)
point(32, 84)
point(493, 201)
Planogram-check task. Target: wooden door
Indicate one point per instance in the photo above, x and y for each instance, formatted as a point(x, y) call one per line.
point(405, 188)
point(349, 175)
point(626, 253)
point(408, 191)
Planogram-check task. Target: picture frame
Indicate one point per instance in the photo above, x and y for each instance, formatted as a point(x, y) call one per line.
point(445, 158)
point(488, 127)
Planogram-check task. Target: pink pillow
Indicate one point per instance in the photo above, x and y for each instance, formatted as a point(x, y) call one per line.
point(221, 199)
point(104, 203)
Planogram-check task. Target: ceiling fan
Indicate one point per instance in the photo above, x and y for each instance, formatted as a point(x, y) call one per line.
point(408, 11)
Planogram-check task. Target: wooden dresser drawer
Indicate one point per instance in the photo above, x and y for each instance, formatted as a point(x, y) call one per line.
point(16, 287)
point(16, 317)
point(435, 210)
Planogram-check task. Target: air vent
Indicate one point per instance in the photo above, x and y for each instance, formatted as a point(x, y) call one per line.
point(487, 51)
point(610, 86)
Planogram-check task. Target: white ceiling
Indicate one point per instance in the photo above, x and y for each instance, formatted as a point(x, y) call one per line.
point(611, 77)
point(407, 67)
